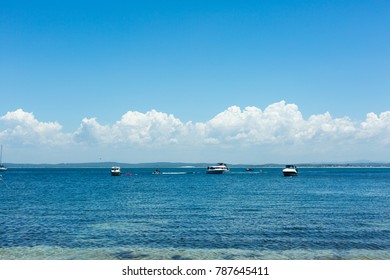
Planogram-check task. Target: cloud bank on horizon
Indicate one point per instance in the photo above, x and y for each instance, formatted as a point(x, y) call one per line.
point(279, 133)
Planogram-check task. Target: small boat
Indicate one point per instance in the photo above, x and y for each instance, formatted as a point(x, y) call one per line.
point(157, 172)
point(220, 168)
point(2, 167)
point(116, 171)
point(249, 169)
point(290, 170)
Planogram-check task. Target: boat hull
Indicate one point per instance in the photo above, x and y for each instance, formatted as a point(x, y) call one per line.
point(290, 173)
point(215, 171)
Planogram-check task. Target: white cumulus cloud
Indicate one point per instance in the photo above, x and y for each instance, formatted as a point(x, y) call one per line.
point(376, 127)
point(277, 127)
point(22, 127)
point(278, 123)
point(134, 128)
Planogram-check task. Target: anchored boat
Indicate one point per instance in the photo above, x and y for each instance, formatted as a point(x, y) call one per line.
point(290, 170)
point(2, 167)
point(220, 168)
point(116, 171)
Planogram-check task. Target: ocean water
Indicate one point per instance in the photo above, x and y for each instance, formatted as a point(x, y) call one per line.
point(330, 213)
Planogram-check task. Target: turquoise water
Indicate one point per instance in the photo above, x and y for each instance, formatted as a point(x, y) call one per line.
point(336, 213)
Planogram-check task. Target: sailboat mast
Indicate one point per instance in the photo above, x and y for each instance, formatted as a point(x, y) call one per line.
point(2, 167)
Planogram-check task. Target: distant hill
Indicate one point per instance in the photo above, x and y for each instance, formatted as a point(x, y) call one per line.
point(107, 165)
point(186, 164)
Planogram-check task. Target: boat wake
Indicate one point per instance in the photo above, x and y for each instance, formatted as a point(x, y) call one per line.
point(177, 173)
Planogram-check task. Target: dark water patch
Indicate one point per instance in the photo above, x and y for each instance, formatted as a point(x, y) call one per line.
point(129, 255)
point(179, 257)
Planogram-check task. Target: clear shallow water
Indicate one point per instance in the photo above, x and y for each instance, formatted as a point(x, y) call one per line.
point(87, 214)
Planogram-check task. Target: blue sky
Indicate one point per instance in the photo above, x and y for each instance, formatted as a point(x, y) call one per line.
point(65, 61)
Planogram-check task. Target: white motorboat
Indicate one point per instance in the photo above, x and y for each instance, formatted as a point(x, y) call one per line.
point(220, 168)
point(116, 171)
point(290, 170)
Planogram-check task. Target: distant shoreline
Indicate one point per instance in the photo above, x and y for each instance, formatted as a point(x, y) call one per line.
point(192, 165)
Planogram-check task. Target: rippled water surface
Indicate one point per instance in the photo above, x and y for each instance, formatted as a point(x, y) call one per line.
point(87, 214)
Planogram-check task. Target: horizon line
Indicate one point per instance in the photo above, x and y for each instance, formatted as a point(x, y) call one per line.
point(362, 162)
